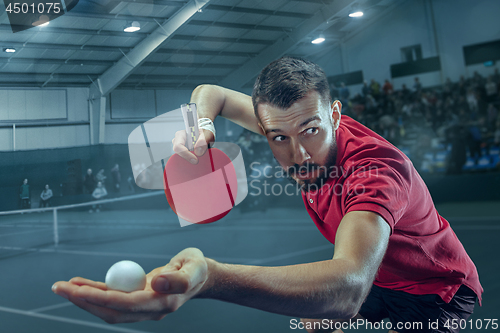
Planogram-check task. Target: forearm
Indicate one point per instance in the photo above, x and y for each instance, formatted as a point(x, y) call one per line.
point(213, 101)
point(325, 289)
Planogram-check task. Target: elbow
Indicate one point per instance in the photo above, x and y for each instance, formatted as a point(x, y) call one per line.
point(203, 87)
point(346, 302)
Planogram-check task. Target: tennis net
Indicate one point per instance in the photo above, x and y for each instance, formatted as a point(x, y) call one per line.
point(86, 223)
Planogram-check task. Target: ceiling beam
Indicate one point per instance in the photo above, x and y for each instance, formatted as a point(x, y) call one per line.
point(223, 39)
point(88, 32)
point(118, 49)
point(49, 46)
point(124, 67)
point(322, 2)
point(239, 26)
point(257, 11)
point(156, 2)
point(174, 77)
point(89, 14)
point(87, 62)
point(210, 53)
point(251, 68)
point(160, 86)
point(42, 77)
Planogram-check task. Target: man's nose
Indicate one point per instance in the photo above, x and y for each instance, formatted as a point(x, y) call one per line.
point(300, 154)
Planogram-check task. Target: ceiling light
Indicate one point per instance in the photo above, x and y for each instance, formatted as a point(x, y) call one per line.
point(9, 49)
point(132, 27)
point(355, 11)
point(320, 39)
point(42, 21)
point(356, 14)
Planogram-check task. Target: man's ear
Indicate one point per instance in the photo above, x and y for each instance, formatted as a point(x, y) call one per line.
point(336, 113)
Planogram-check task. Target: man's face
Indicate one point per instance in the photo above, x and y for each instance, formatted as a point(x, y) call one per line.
point(302, 138)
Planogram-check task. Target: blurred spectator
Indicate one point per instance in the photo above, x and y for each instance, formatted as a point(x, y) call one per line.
point(491, 90)
point(24, 195)
point(462, 86)
point(89, 182)
point(387, 88)
point(45, 197)
point(344, 94)
point(456, 136)
point(131, 183)
point(475, 140)
point(375, 89)
point(496, 135)
point(471, 99)
point(496, 76)
point(477, 80)
point(100, 177)
point(365, 90)
point(99, 193)
point(491, 117)
point(334, 92)
point(405, 92)
point(417, 86)
point(447, 88)
point(117, 177)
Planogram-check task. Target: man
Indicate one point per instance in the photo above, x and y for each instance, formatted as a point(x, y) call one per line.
point(98, 194)
point(45, 197)
point(417, 86)
point(89, 182)
point(24, 195)
point(395, 257)
point(387, 88)
point(117, 178)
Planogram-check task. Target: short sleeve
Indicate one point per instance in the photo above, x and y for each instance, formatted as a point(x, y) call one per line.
point(376, 187)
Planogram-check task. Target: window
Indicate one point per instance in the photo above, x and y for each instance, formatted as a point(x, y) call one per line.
point(411, 53)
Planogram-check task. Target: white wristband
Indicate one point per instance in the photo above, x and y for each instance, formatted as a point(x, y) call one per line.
point(207, 124)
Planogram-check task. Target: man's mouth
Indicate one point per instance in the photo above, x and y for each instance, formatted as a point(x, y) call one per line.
point(304, 174)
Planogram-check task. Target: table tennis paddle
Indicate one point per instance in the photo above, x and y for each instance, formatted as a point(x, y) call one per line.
point(204, 192)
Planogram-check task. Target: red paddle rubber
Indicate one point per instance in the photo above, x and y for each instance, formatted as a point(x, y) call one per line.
point(204, 192)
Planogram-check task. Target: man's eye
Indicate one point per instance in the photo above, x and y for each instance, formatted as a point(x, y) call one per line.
point(279, 138)
point(312, 130)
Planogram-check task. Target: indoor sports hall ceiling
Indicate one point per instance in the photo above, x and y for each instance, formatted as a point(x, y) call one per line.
point(223, 42)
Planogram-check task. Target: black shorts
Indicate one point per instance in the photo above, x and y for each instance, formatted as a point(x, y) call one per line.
point(405, 311)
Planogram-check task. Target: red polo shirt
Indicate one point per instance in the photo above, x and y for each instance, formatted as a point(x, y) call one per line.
point(424, 256)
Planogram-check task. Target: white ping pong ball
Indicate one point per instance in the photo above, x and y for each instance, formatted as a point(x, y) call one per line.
point(126, 276)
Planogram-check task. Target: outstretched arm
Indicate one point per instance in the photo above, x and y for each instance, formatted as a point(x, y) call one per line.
point(333, 289)
point(213, 101)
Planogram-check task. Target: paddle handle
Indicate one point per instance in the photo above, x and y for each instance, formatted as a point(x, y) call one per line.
point(190, 117)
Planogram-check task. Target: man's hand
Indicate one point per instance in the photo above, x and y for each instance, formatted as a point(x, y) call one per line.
point(167, 289)
point(200, 147)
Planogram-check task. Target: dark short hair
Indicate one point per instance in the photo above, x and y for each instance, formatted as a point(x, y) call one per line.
point(287, 80)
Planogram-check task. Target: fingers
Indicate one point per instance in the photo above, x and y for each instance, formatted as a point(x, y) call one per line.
point(200, 147)
point(185, 272)
point(82, 281)
point(179, 147)
point(94, 300)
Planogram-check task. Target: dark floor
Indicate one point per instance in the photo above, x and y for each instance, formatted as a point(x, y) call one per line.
point(91, 243)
